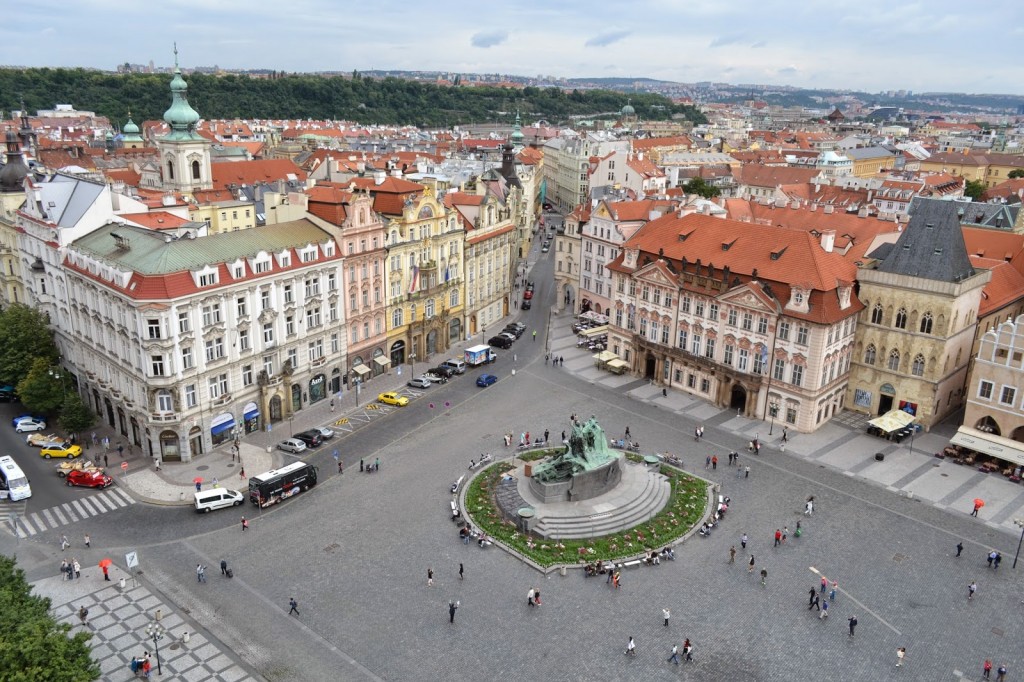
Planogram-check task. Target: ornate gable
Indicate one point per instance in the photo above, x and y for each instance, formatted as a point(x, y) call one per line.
point(752, 299)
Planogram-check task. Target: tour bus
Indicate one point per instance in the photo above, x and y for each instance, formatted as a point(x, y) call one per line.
point(277, 485)
point(13, 483)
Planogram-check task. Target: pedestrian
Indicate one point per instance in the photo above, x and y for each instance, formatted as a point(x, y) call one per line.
point(750, 566)
point(88, 540)
point(77, 566)
point(376, 464)
point(341, 467)
point(785, 434)
point(245, 524)
point(64, 544)
point(617, 580)
point(611, 573)
point(1001, 673)
point(534, 334)
point(529, 597)
point(824, 584)
point(666, 614)
point(853, 623)
point(546, 357)
point(971, 589)
point(294, 606)
point(83, 615)
point(199, 486)
point(630, 648)
point(815, 602)
point(764, 576)
point(223, 567)
point(332, 404)
point(241, 472)
point(94, 441)
point(452, 607)
point(120, 450)
point(563, 435)
point(546, 436)
point(674, 658)
point(778, 538)
point(696, 433)
point(824, 610)
point(106, 572)
point(627, 433)
point(216, 483)
point(536, 596)
point(430, 577)
point(106, 462)
point(959, 548)
point(995, 563)
point(785, 534)
point(461, 570)
point(360, 466)
point(986, 669)
point(832, 592)
point(810, 598)
point(106, 443)
point(809, 507)
point(746, 474)
point(688, 650)
point(63, 569)
point(901, 653)
point(714, 463)
point(730, 459)
point(977, 506)
point(707, 462)
point(200, 573)
point(798, 532)
point(732, 554)
point(561, 360)
point(991, 558)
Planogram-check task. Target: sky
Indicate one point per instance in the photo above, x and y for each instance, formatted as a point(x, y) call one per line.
point(871, 45)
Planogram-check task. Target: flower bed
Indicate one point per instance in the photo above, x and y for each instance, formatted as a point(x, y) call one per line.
point(685, 509)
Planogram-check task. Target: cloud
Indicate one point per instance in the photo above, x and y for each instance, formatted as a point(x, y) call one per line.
point(487, 39)
point(605, 39)
point(788, 70)
point(722, 41)
point(759, 44)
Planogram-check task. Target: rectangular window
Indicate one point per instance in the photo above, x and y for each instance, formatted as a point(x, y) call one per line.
point(289, 295)
point(727, 354)
point(713, 312)
point(243, 339)
point(664, 334)
point(332, 281)
point(748, 322)
point(779, 373)
point(985, 390)
point(190, 395)
point(268, 365)
point(293, 357)
point(682, 339)
point(153, 328)
point(695, 344)
point(312, 287)
point(762, 325)
point(709, 348)
point(214, 349)
point(656, 297)
point(698, 308)
point(241, 306)
point(691, 381)
point(705, 385)
point(218, 386)
point(797, 375)
point(187, 361)
point(801, 335)
point(268, 333)
point(784, 331)
point(289, 325)
point(654, 331)
point(184, 324)
point(732, 318)
point(261, 267)
point(1008, 395)
point(157, 363)
point(741, 365)
point(264, 299)
point(316, 350)
point(211, 315)
point(312, 317)
point(684, 304)
point(618, 318)
point(334, 343)
point(790, 415)
point(643, 326)
point(645, 292)
point(247, 375)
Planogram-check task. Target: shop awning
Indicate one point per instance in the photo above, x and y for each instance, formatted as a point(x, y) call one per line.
point(605, 356)
point(595, 331)
point(594, 317)
point(892, 421)
point(382, 360)
point(989, 444)
point(618, 362)
point(222, 423)
point(361, 369)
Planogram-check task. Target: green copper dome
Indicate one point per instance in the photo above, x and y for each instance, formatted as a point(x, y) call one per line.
point(517, 131)
point(130, 128)
point(180, 116)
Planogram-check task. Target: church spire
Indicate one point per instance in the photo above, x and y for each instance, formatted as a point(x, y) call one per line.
point(180, 116)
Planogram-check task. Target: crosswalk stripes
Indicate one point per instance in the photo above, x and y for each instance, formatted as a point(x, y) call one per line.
point(10, 512)
point(34, 523)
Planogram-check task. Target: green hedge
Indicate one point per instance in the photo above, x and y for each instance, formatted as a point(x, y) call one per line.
point(685, 509)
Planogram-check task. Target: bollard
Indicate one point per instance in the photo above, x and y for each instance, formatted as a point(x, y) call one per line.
point(121, 583)
point(158, 614)
point(562, 570)
point(185, 637)
point(181, 495)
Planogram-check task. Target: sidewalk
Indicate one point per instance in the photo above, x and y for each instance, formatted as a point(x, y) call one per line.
point(117, 621)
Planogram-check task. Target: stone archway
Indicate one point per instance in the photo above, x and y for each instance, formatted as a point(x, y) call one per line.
point(988, 425)
point(195, 441)
point(650, 366)
point(170, 448)
point(738, 398)
point(276, 409)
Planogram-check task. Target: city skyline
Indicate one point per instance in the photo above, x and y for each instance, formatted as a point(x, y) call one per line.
point(868, 45)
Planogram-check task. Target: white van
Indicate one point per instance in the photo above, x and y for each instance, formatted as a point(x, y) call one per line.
point(217, 498)
point(13, 482)
point(455, 365)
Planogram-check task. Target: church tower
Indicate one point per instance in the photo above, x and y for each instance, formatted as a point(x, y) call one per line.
point(184, 153)
point(130, 135)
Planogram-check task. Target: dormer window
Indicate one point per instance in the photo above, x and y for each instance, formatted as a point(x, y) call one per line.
point(206, 277)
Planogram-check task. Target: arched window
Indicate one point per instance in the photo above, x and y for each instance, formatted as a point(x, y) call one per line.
point(170, 170)
point(876, 314)
point(869, 355)
point(894, 360)
point(195, 170)
point(926, 323)
point(917, 369)
point(453, 298)
point(901, 318)
point(396, 318)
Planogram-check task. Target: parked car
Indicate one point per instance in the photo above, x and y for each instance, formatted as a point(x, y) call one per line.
point(30, 424)
point(217, 498)
point(508, 335)
point(39, 440)
point(8, 394)
point(392, 398)
point(442, 371)
point(22, 417)
point(419, 382)
point(486, 380)
point(292, 445)
point(89, 479)
point(311, 438)
point(434, 378)
point(518, 325)
point(325, 433)
point(499, 342)
point(528, 294)
point(514, 330)
point(64, 468)
point(526, 304)
point(66, 450)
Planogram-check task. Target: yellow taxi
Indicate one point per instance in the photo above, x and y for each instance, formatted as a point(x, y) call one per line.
point(61, 450)
point(392, 398)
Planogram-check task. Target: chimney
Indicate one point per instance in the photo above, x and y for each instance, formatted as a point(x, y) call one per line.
point(863, 212)
point(780, 202)
point(871, 195)
point(829, 208)
point(814, 207)
point(378, 177)
point(828, 240)
point(795, 204)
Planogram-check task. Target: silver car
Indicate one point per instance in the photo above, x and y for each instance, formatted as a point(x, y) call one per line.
point(324, 432)
point(292, 445)
point(419, 382)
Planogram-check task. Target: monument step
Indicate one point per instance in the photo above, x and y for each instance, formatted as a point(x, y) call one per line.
point(634, 510)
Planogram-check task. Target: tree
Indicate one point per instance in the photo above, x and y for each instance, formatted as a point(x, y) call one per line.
point(1016, 173)
point(41, 390)
point(76, 416)
point(24, 335)
point(33, 646)
point(699, 187)
point(974, 189)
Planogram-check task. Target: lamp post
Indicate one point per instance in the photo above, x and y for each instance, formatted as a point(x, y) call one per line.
point(774, 409)
point(357, 381)
point(156, 632)
point(1020, 524)
point(56, 373)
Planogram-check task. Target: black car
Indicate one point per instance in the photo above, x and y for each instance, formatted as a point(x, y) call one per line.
point(310, 438)
point(7, 395)
point(500, 342)
point(441, 371)
point(526, 305)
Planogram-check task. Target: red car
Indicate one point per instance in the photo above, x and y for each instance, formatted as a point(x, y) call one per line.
point(89, 479)
point(528, 294)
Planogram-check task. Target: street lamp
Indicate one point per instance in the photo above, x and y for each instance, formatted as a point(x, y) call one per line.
point(156, 632)
point(357, 381)
point(61, 376)
point(774, 409)
point(1019, 523)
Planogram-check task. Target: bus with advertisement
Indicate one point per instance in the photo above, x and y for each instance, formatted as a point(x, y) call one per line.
point(278, 485)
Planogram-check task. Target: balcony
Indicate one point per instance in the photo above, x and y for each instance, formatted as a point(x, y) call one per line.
point(164, 417)
point(223, 400)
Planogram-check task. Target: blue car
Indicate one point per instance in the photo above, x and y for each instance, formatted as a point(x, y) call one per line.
point(486, 380)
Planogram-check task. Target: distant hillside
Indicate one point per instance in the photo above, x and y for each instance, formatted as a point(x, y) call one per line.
point(353, 98)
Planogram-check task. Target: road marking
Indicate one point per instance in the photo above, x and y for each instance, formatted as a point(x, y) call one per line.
point(881, 620)
point(66, 507)
point(53, 518)
point(341, 422)
point(371, 406)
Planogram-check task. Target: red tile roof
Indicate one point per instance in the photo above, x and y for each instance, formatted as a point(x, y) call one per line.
point(1005, 287)
point(995, 245)
point(251, 172)
point(657, 142)
point(756, 175)
point(156, 220)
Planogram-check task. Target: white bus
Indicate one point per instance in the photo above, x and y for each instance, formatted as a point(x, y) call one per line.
point(13, 482)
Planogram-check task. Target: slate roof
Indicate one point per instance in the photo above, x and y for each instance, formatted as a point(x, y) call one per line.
point(931, 246)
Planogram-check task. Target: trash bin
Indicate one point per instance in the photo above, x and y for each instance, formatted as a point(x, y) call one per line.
point(121, 583)
point(185, 636)
point(562, 570)
point(879, 456)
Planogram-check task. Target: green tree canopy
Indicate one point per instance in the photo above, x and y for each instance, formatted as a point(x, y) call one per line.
point(1016, 173)
point(974, 189)
point(24, 336)
point(75, 415)
point(33, 646)
point(699, 187)
point(41, 390)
